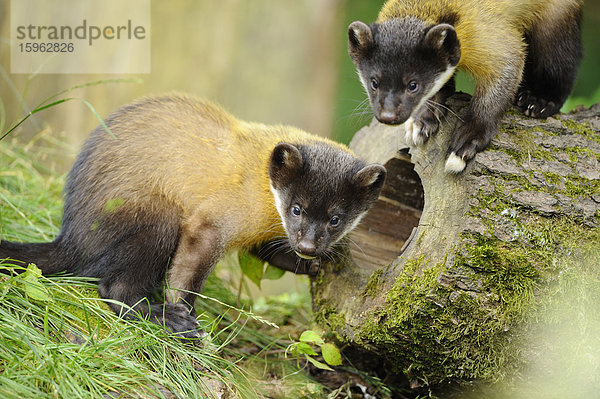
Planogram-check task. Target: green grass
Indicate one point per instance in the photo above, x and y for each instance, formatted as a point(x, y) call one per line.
point(30, 203)
point(66, 343)
point(73, 346)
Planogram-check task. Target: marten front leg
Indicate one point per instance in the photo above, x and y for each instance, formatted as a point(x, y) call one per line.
point(284, 258)
point(491, 99)
point(426, 120)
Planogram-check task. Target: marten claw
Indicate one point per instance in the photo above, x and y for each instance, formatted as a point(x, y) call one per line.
point(536, 107)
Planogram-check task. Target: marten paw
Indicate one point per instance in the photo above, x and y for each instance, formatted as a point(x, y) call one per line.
point(455, 164)
point(421, 127)
point(467, 141)
point(308, 266)
point(314, 267)
point(177, 318)
point(534, 106)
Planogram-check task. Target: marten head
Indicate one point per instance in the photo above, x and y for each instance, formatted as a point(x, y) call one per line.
point(402, 63)
point(321, 192)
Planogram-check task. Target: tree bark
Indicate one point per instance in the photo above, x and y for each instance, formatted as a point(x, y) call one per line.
point(445, 276)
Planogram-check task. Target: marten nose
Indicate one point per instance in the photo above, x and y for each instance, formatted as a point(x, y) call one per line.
point(388, 117)
point(307, 247)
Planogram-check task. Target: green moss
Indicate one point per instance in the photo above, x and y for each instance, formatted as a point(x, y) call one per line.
point(372, 286)
point(581, 128)
point(445, 333)
point(511, 272)
point(435, 327)
point(577, 186)
point(523, 138)
point(405, 318)
point(553, 178)
point(327, 316)
point(573, 154)
point(576, 152)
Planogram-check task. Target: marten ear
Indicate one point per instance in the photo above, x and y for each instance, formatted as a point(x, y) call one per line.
point(442, 38)
point(285, 164)
point(360, 38)
point(371, 178)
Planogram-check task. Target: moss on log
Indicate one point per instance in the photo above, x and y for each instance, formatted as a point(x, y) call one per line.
point(448, 277)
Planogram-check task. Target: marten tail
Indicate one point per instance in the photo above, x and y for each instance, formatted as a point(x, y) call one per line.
point(48, 256)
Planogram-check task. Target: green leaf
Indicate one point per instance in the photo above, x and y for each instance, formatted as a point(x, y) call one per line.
point(273, 273)
point(331, 354)
point(32, 270)
point(32, 286)
point(318, 364)
point(305, 349)
point(301, 348)
point(252, 267)
point(312, 337)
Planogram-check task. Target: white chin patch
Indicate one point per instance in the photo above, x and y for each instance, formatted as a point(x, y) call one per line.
point(304, 256)
point(455, 164)
point(413, 134)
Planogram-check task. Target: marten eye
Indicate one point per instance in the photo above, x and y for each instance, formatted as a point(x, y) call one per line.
point(412, 86)
point(335, 221)
point(296, 211)
point(374, 84)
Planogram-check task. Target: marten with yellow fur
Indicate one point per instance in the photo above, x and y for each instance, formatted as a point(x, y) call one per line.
point(526, 51)
point(181, 182)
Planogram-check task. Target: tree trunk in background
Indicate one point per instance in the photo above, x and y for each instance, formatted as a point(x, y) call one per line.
point(449, 278)
point(267, 61)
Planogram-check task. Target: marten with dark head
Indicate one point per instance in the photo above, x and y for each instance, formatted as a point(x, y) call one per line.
point(526, 51)
point(180, 183)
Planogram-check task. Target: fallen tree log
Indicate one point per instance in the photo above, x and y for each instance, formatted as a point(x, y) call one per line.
point(446, 276)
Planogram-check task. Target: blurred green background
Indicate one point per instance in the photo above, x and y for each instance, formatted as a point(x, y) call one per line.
point(264, 60)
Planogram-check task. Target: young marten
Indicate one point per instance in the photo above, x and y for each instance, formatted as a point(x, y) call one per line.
point(181, 182)
point(526, 51)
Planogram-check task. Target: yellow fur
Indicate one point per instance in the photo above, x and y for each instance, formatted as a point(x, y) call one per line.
point(213, 166)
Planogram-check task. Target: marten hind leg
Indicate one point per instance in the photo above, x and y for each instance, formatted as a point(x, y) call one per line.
point(200, 247)
point(129, 251)
point(553, 56)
